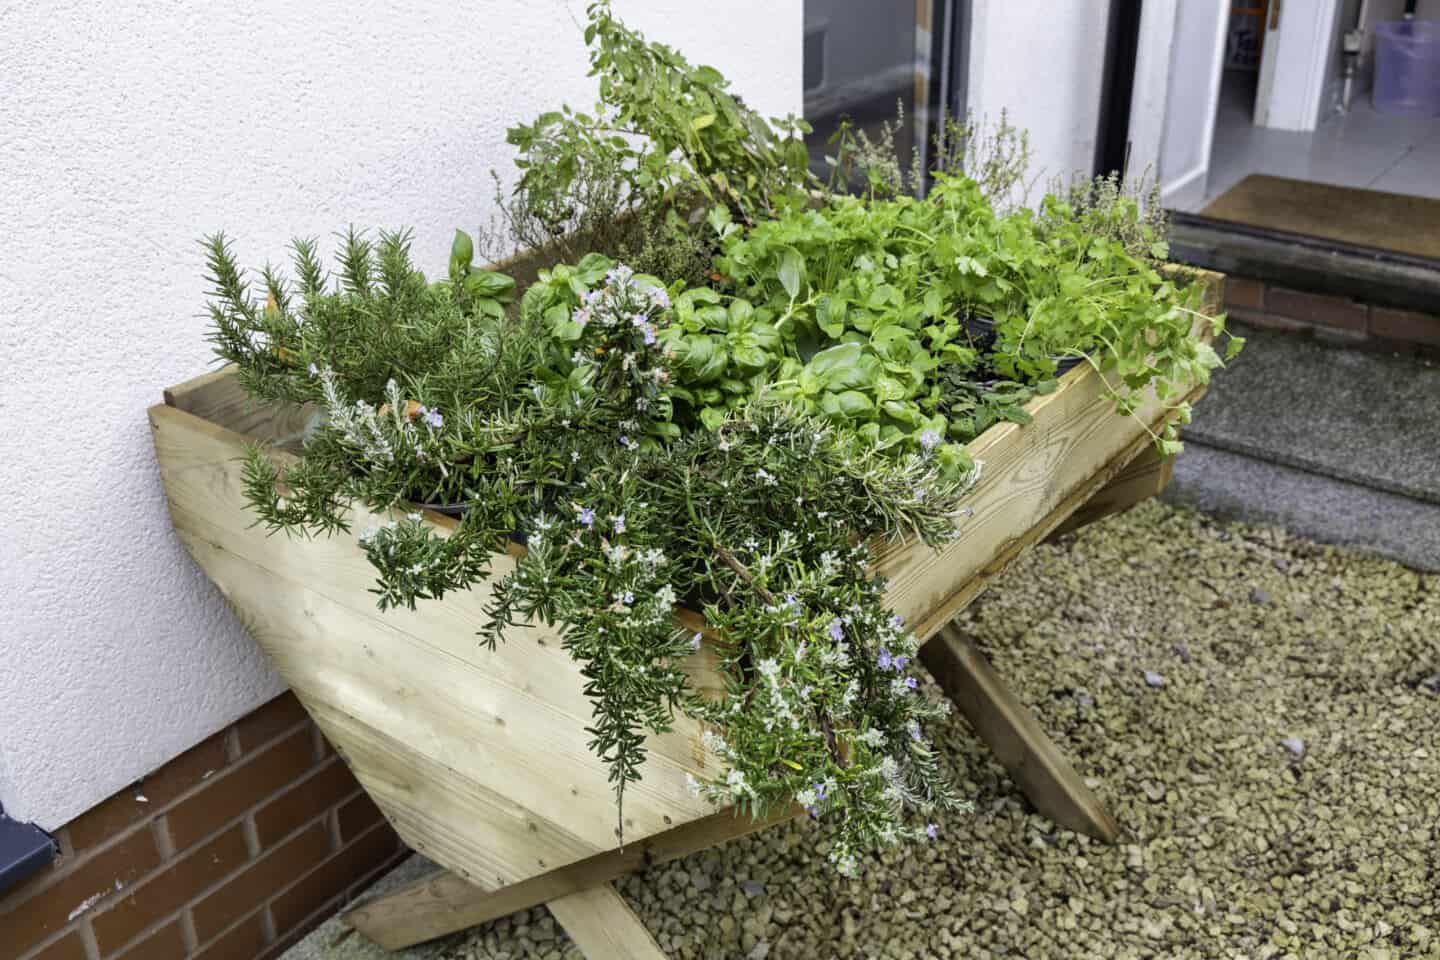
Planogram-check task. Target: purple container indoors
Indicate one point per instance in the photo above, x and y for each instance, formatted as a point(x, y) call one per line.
point(1407, 67)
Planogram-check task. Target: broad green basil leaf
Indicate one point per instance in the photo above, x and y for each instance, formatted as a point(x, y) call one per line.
point(488, 283)
point(826, 361)
point(791, 272)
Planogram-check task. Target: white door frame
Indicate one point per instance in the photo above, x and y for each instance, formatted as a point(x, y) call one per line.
point(1293, 61)
point(1151, 85)
point(1184, 189)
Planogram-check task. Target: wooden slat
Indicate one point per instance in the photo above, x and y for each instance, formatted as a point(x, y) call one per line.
point(1000, 561)
point(1028, 472)
point(1011, 731)
point(603, 926)
point(511, 721)
point(218, 398)
point(445, 902)
point(1146, 476)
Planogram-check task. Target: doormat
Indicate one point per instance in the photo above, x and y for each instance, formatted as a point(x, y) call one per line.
point(1367, 218)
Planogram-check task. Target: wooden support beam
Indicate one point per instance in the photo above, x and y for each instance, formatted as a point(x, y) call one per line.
point(1036, 765)
point(1146, 476)
point(444, 902)
point(603, 926)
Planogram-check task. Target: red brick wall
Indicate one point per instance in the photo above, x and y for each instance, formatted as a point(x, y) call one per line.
point(1337, 319)
point(233, 850)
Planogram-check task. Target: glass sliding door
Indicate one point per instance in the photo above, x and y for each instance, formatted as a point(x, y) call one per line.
point(866, 61)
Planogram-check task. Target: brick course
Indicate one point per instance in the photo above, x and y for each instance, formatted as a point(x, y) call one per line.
point(231, 851)
point(1336, 319)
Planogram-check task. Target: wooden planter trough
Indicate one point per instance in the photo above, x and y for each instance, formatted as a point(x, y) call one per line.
point(479, 759)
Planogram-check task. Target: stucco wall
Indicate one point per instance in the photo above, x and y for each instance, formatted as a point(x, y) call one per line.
point(1043, 62)
point(126, 132)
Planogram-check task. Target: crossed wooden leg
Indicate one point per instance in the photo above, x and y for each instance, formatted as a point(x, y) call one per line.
point(1011, 731)
point(602, 925)
point(600, 921)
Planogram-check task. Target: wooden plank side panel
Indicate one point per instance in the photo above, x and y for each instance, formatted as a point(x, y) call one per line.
point(422, 762)
point(1027, 471)
point(218, 398)
point(511, 720)
point(1146, 476)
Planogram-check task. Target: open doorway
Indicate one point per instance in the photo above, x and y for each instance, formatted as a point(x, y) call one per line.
point(1319, 118)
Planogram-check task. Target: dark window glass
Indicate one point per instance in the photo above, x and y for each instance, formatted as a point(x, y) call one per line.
point(865, 59)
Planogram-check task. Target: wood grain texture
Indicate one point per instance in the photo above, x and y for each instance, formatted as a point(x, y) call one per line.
point(603, 926)
point(446, 902)
point(1027, 472)
point(427, 716)
point(1015, 736)
point(1144, 477)
point(218, 398)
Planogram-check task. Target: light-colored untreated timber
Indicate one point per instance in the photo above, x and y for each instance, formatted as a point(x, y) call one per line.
point(444, 733)
point(1011, 731)
point(1047, 475)
point(603, 926)
point(1146, 476)
point(445, 902)
point(218, 397)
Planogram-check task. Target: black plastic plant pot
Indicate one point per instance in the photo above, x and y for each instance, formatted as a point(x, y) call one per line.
point(1064, 365)
point(445, 509)
point(981, 329)
point(458, 510)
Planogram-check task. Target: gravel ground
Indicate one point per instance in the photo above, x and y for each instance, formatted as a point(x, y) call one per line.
point(1260, 713)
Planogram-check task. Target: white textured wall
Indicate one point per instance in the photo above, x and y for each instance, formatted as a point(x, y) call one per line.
point(1044, 63)
point(127, 130)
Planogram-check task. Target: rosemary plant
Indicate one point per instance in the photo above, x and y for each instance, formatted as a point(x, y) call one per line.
point(558, 426)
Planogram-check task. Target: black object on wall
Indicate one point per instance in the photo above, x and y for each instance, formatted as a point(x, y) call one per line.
point(24, 850)
point(1117, 84)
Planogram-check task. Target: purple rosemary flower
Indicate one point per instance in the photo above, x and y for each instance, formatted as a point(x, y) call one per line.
point(629, 598)
point(659, 297)
point(929, 440)
point(911, 682)
point(582, 316)
point(638, 319)
point(590, 296)
point(813, 811)
point(433, 418)
point(649, 335)
point(625, 441)
point(695, 642)
point(819, 790)
point(619, 523)
point(900, 662)
point(897, 621)
point(883, 660)
point(587, 517)
point(932, 831)
point(837, 630)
